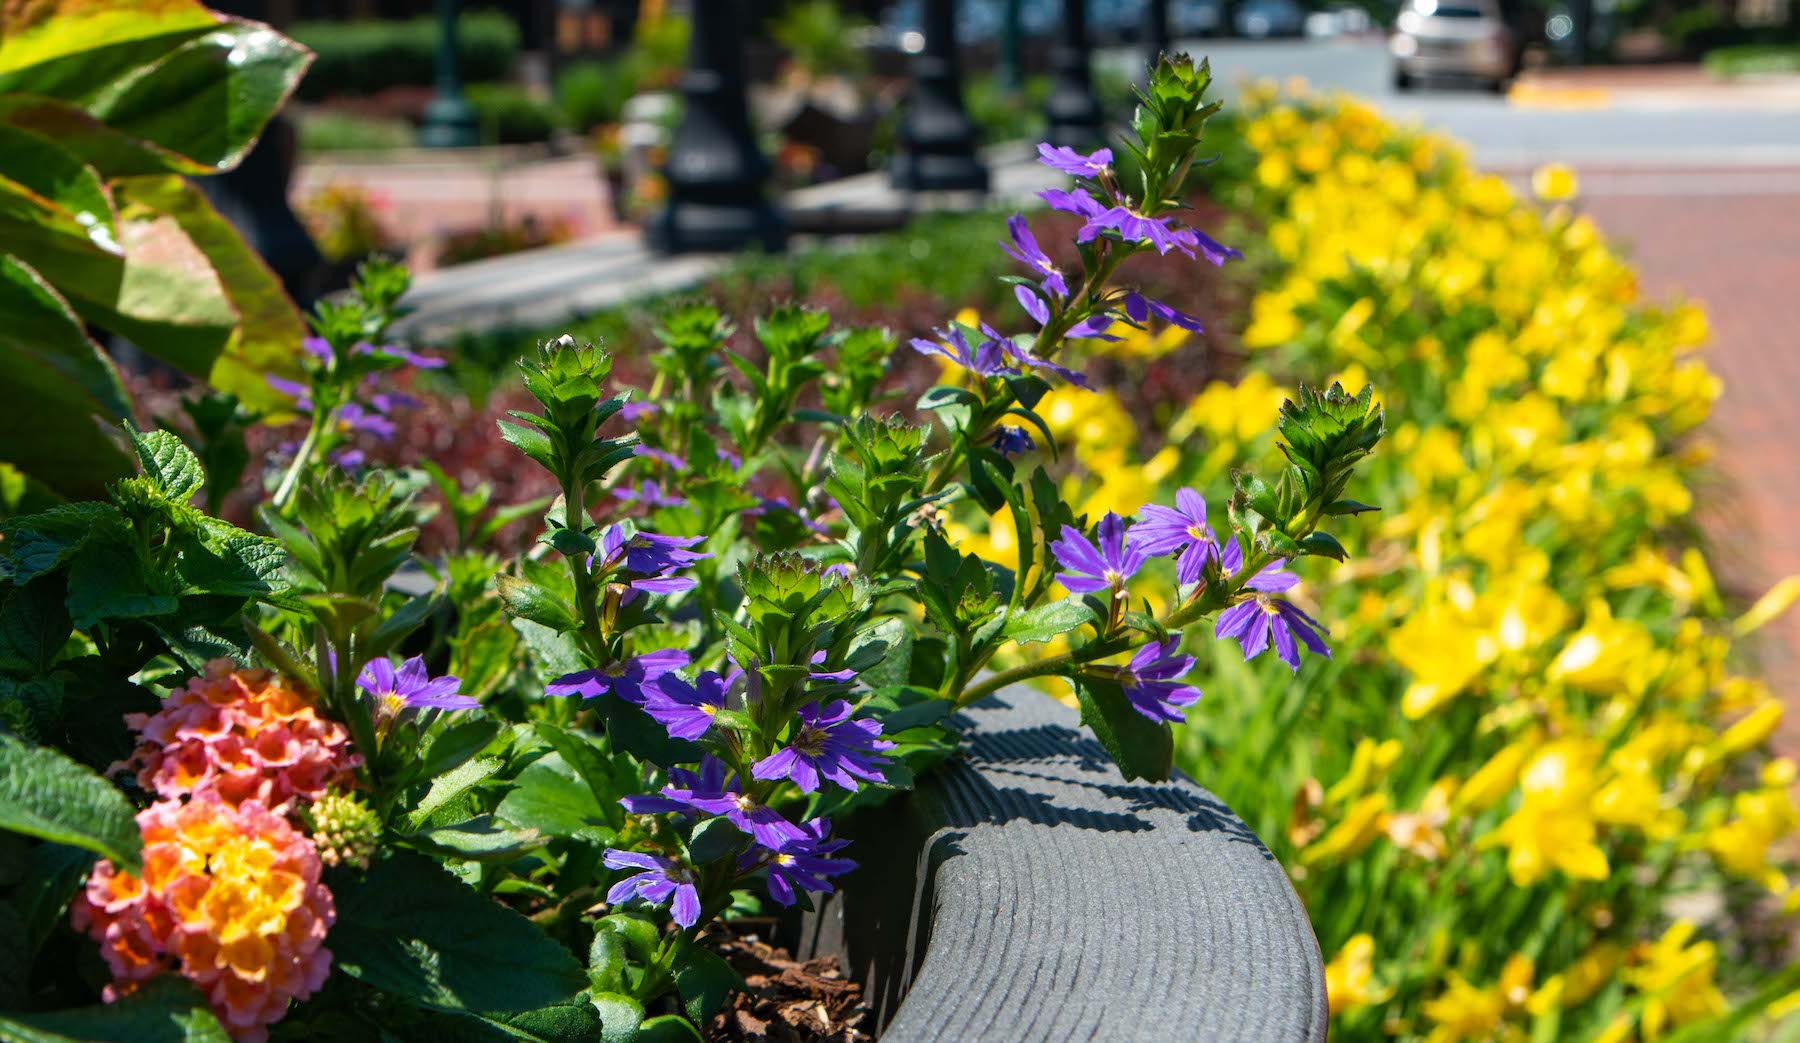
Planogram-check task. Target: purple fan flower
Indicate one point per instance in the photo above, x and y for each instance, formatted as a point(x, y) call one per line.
point(1094, 326)
point(1140, 308)
point(986, 360)
point(802, 864)
point(354, 418)
point(411, 688)
point(651, 495)
point(649, 559)
point(1258, 620)
point(828, 744)
point(686, 710)
point(385, 402)
point(1066, 160)
point(1132, 227)
point(637, 409)
point(1165, 530)
point(1077, 202)
point(707, 793)
point(625, 678)
point(818, 659)
point(661, 879)
point(1105, 566)
point(318, 347)
point(660, 455)
point(1011, 441)
point(1024, 248)
point(1033, 304)
point(1152, 680)
point(300, 393)
point(766, 504)
point(1023, 359)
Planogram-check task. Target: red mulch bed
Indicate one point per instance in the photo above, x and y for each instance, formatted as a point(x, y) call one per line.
point(786, 1000)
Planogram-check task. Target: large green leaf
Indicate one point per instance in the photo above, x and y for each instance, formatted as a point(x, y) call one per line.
point(45, 794)
point(166, 1010)
point(269, 328)
point(45, 168)
point(210, 97)
point(74, 50)
point(53, 240)
point(56, 383)
point(409, 928)
point(1141, 747)
point(552, 798)
point(111, 152)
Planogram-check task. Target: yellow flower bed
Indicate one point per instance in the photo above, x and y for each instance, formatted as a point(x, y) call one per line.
point(1529, 797)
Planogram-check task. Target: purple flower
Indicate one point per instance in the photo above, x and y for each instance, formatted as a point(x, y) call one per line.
point(411, 688)
point(1140, 308)
point(707, 793)
point(1165, 530)
point(637, 409)
point(661, 879)
point(406, 355)
point(1024, 248)
point(354, 418)
point(625, 678)
point(1023, 359)
point(987, 360)
point(300, 393)
point(686, 710)
point(1152, 680)
point(1257, 620)
point(1076, 202)
point(1133, 227)
point(1094, 326)
point(818, 659)
point(318, 347)
point(651, 495)
point(828, 743)
point(801, 864)
point(1011, 441)
point(660, 455)
point(1105, 566)
point(1066, 160)
point(650, 561)
point(1033, 304)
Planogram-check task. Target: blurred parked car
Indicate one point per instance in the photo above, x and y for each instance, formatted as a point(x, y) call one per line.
point(1453, 39)
point(1261, 19)
point(1197, 17)
point(1337, 21)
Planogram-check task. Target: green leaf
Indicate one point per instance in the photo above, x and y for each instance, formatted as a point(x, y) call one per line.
point(167, 459)
point(1048, 620)
point(44, 542)
point(1338, 507)
point(1141, 747)
point(109, 581)
point(34, 625)
point(209, 98)
point(269, 328)
point(668, 1028)
point(44, 168)
point(164, 1010)
point(714, 839)
point(552, 798)
point(45, 794)
point(620, 1016)
point(53, 873)
point(606, 777)
point(480, 839)
point(1325, 545)
point(457, 743)
point(705, 981)
point(72, 50)
point(409, 928)
point(59, 385)
point(527, 600)
point(452, 784)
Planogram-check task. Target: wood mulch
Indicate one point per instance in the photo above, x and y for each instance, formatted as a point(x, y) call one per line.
point(785, 1000)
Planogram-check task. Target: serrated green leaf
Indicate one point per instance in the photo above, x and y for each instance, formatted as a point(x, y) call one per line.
point(45, 794)
point(1048, 620)
point(551, 797)
point(1142, 748)
point(169, 461)
point(409, 928)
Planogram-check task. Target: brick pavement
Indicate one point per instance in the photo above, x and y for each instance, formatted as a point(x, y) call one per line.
point(1731, 239)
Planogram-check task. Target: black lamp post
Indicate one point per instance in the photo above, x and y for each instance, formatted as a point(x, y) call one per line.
point(937, 138)
point(449, 119)
point(1075, 118)
point(715, 173)
point(1156, 31)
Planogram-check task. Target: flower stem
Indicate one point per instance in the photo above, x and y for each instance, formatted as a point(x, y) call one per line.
point(290, 481)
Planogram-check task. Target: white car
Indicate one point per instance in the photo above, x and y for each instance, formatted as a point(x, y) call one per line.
point(1453, 39)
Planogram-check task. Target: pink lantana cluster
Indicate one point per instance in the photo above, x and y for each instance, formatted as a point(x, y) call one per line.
point(245, 734)
point(229, 896)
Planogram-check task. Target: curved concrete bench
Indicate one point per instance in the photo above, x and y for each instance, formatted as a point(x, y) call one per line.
point(1029, 893)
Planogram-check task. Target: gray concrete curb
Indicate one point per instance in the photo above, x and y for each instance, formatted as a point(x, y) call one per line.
point(1029, 893)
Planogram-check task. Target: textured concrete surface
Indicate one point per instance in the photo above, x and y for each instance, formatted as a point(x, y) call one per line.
point(1029, 893)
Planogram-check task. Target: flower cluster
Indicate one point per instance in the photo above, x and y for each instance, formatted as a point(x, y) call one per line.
point(229, 896)
point(246, 734)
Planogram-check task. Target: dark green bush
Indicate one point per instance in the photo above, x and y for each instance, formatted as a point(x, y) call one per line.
point(1754, 60)
point(592, 93)
point(510, 115)
point(365, 57)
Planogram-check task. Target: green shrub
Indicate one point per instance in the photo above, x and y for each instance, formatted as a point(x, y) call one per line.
point(365, 57)
point(819, 38)
point(343, 131)
point(592, 93)
point(510, 115)
point(1754, 60)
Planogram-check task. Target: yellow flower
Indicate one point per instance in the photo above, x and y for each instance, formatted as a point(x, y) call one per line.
point(1555, 183)
point(1464, 1012)
point(1493, 780)
point(1676, 979)
point(1554, 827)
point(1350, 977)
point(1741, 845)
point(1361, 824)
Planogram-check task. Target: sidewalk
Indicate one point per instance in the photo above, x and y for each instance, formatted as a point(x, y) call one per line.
point(1650, 88)
point(1734, 250)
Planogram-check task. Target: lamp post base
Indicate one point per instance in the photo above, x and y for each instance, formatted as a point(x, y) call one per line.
point(450, 122)
point(695, 227)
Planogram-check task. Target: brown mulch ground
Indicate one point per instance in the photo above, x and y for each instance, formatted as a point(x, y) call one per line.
point(785, 1000)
